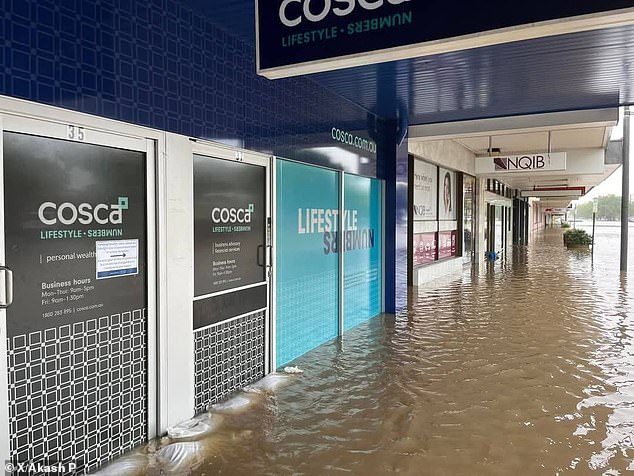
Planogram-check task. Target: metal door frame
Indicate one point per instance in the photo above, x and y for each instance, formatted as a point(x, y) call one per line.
point(47, 121)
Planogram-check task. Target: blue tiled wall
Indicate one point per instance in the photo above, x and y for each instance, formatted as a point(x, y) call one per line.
point(159, 64)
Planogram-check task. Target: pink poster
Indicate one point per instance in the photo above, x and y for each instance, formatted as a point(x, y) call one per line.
point(446, 244)
point(424, 248)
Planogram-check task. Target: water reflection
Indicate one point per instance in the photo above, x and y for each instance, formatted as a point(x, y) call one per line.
point(525, 368)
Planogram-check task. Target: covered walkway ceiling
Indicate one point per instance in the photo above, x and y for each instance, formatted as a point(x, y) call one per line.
point(582, 134)
point(586, 70)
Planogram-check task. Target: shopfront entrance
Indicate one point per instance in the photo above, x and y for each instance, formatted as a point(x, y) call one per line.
point(232, 271)
point(76, 291)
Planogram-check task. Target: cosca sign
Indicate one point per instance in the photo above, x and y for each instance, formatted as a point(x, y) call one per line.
point(225, 215)
point(50, 213)
point(292, 17)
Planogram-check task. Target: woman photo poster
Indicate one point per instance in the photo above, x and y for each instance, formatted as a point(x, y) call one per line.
point(446, 194)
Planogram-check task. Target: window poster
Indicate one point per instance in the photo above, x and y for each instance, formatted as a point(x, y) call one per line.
point(447, 195)
point(447, 244)
point(425, 191)
point(425, 245)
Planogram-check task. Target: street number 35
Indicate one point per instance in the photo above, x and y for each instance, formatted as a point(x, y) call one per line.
point(76, 133)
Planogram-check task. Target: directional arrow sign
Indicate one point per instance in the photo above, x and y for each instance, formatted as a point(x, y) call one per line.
point(116, 258)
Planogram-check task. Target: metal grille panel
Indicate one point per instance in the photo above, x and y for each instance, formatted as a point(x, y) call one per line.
point(228, 356)
point(79, 393)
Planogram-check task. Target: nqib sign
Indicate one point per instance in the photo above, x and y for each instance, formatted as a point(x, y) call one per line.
point(526, 163)
point(306, 36)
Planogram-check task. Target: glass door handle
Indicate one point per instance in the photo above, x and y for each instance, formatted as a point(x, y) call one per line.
point(270, 263)
point(8, 287)
point(260, 252)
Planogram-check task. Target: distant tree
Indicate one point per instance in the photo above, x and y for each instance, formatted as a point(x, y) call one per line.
point(609, 208)
point(584, 210)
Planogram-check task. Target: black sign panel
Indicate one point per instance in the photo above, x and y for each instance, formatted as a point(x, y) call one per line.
point(75, 230)
point(292, 32)
point(225, 306)
point(229, 224)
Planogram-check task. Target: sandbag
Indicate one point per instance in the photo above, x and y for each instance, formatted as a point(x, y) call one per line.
point(198, 426)
point(179, 458)
point(132, 465)
point(270, 383)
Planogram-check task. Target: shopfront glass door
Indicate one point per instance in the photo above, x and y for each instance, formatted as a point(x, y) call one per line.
point(232, 272)
point(74, 291)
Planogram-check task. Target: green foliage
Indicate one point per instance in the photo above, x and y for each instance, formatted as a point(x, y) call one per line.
point(609, 208)
point(565, 225)
point(577, 237)
point(584, 210)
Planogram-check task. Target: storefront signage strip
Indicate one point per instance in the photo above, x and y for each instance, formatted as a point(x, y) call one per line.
point(521, 163)
point(306, 36)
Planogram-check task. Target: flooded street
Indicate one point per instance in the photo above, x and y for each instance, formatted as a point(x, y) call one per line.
point(524, 368)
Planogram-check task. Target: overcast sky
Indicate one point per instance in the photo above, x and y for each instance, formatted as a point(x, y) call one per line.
point(612, 186)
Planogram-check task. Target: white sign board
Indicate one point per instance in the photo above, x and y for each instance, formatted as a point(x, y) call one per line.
point(117, 258)
point(554, 193)
point(521, 163)
point(425, 191)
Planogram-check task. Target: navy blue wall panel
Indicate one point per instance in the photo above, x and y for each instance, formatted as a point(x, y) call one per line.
point(159, 64)
point(393, 168)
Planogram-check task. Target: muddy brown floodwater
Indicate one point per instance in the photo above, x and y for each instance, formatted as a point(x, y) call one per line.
point(525, 368)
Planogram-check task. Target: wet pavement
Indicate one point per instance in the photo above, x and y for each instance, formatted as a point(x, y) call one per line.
point(526, 367)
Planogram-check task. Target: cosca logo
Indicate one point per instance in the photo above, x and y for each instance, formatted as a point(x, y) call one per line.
point(232, 215)
point(67, 213)
point(342, 9)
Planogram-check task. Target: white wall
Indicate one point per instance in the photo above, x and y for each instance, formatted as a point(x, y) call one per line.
point(535, 217)
point(442, 271)
point(177, 352)
point(481, 220)
point(447, 153)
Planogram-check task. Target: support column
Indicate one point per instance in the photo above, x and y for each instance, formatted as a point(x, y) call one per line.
point(393, 168)
point(516, 221)
point(525, 224)
point(625, 191)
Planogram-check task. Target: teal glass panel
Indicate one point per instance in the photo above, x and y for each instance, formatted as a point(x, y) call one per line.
point(307, 284)
point(362, 245)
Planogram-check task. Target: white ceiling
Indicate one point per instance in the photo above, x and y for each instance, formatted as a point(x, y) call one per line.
point(537, 141)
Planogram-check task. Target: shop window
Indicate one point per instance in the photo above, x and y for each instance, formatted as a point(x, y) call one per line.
point(434, 196)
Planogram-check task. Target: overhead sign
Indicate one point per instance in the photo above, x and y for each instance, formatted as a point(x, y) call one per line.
point(521, 163)
point(305, 36)
point(564, 193)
